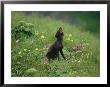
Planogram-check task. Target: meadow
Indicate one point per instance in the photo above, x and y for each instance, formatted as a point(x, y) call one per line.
point(32, 34)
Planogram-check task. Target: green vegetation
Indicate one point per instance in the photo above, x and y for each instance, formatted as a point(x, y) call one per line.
point(32, 35)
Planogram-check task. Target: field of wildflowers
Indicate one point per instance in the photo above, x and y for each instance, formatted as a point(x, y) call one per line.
point(31, 36)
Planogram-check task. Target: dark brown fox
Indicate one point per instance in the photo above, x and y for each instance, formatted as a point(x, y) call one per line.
point(57, 46)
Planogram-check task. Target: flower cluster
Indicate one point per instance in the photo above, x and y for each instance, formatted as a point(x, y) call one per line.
point(69, 37)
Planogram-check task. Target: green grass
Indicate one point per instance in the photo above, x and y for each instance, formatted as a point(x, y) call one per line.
point(28, 53)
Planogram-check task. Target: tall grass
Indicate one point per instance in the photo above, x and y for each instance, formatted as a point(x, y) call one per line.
point(28, 53)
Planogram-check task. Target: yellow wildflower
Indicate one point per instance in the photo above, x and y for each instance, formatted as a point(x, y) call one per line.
point(36, 49)
point(71, 40)
point(19, 52)
point(43, 32)
point(70, 35)
point(42, 37)
point(68, 38)
point(37, 33)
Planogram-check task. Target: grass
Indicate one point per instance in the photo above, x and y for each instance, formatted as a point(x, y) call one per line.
point(28, 52)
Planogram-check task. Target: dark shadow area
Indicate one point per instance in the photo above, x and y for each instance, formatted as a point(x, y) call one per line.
point(85, 20)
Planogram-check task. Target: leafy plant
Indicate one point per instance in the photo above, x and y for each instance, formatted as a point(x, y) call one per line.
point(23, 28)
point(32, 37)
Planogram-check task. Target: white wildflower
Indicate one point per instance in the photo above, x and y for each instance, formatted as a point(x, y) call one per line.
point(25, 49)
point(78, 61)
point(17, 41)
point(19, 52)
